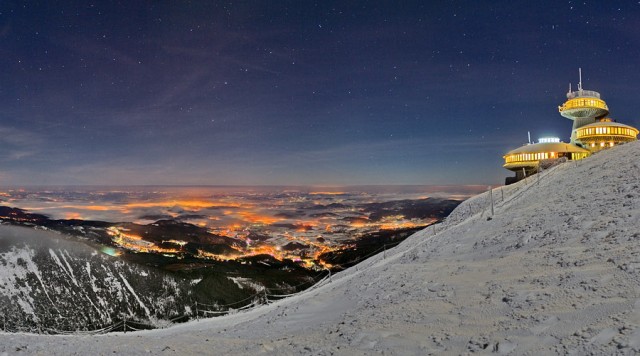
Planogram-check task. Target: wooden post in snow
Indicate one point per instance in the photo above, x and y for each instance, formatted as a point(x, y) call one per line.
point(491, 198)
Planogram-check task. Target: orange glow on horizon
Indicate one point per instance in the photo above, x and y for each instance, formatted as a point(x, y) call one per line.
point(72, 216)
point(97, 207)
point(187, 204)
point(255, 218)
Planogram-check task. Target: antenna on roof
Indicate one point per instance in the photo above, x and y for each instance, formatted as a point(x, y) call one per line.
point(529, 135)
point(580, 82)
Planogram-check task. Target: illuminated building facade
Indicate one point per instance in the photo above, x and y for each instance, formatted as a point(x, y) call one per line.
point(604, 134)
point(526, 160)
point(592, 131)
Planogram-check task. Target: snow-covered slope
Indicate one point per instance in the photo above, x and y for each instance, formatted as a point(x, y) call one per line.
point(556, 269)
point(51, 284)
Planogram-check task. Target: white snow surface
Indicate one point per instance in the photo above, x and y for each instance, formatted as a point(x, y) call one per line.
point(556, 270)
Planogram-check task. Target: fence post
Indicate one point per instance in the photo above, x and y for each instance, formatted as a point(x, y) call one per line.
point(197, 311)
point(384, 252)
point(491, 198)
point(502, 192)
point(124, 324)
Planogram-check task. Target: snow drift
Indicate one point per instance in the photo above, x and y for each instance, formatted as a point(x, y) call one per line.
point(556, 269)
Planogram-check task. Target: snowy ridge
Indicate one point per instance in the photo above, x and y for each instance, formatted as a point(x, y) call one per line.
point(46, 288)
point(556, 270)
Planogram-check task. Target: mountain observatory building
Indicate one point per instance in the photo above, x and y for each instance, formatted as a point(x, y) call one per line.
point(592, 131)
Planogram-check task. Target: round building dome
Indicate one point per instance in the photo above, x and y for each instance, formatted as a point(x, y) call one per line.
point(605, 133)
point(583, 104)
point(583, 107)
point(529, 156)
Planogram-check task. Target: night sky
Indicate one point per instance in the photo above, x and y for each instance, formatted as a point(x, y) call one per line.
point(298, 92)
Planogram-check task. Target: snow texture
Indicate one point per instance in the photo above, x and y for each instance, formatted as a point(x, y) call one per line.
point(45, 287)
point(556, 270)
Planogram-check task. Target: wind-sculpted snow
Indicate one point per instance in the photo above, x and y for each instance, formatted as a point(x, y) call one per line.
point(555, 270)
point(49, 284)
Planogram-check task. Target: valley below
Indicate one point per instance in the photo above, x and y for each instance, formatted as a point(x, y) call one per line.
point(84, 275)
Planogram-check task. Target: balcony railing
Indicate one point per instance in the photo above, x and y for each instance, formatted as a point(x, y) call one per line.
point(583, 94)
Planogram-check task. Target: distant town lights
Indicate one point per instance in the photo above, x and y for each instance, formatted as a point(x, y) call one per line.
point(548, 139)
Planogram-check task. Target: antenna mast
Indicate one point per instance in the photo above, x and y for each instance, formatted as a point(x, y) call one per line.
point(580, 82)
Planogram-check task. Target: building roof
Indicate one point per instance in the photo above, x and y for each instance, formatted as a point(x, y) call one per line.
point(547, 147)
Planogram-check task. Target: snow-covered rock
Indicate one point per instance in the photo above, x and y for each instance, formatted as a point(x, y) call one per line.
point(50, 284)
point(555, 270)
